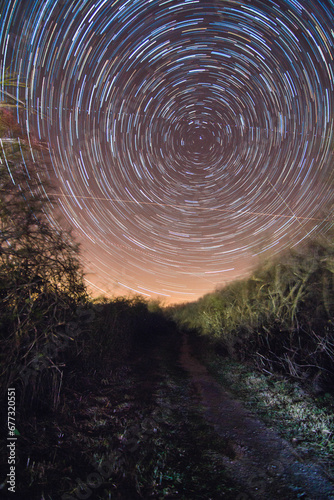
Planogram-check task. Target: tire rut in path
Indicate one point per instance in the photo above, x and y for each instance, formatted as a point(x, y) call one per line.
point(266, 465)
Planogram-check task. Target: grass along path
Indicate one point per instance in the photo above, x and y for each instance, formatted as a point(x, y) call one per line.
point(157, 426)
point(302, 463)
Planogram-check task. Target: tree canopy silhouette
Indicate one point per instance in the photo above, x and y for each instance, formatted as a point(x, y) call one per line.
point(41, 279)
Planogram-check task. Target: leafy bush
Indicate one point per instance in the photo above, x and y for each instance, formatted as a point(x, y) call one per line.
point(281, 317)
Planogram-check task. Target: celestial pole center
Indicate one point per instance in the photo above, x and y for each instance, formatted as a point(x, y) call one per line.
point(187, 139)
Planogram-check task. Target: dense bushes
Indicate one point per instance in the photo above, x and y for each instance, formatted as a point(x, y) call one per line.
point(281, 317)
point(122, 328)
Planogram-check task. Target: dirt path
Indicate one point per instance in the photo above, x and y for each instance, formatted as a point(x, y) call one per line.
point(263, 463)
point(161, 427)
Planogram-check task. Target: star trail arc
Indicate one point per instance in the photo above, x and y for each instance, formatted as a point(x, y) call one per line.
point(185, 137)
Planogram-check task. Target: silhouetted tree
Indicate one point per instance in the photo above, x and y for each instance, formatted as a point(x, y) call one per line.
point(41, 280)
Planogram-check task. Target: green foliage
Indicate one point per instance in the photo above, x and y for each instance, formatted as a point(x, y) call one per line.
point(7, 81)
point(281, 317)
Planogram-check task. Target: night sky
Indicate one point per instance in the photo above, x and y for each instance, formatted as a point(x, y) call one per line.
point(187, 139)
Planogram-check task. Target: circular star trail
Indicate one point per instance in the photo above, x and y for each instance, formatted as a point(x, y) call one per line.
point(187, 138)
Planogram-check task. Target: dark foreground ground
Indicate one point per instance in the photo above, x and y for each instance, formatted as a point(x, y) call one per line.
point(156, 426)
